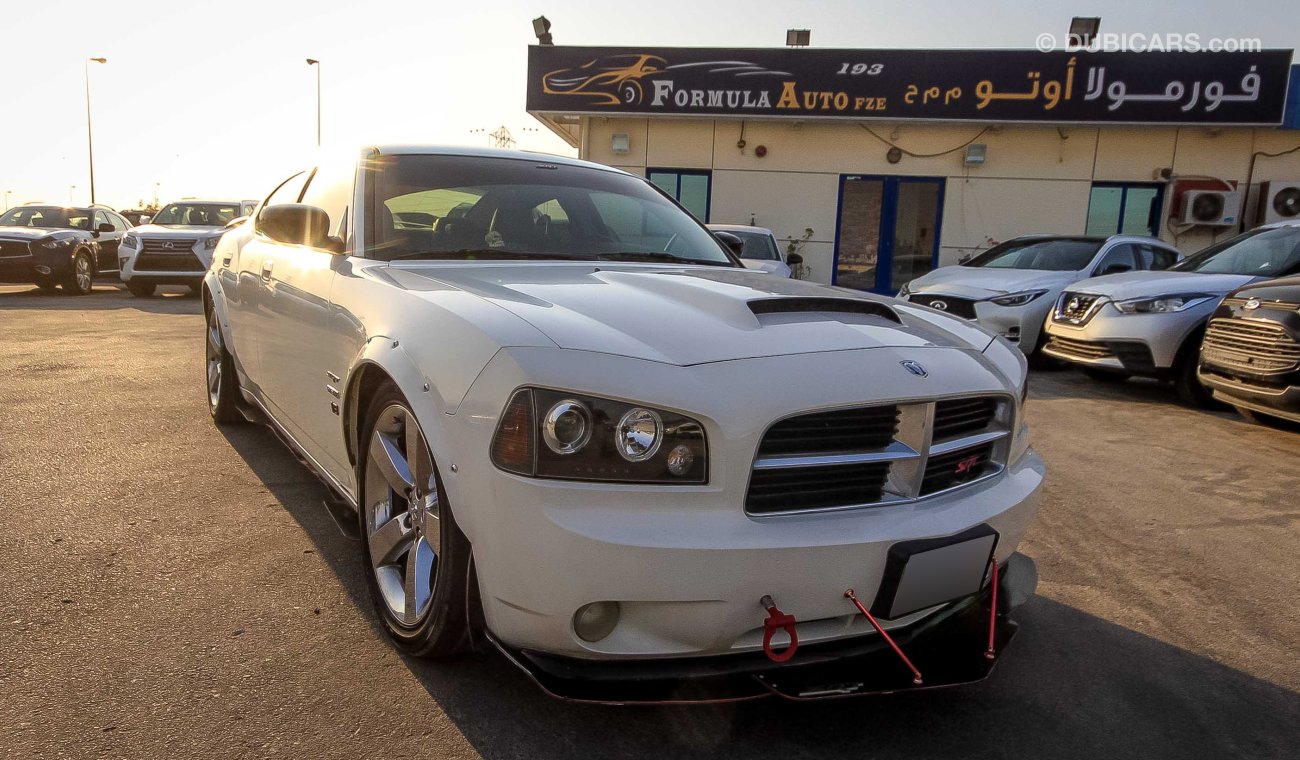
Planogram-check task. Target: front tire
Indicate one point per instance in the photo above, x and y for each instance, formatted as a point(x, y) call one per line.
point(141, 289)
point(81, 276)
point(418, 559)
point(223, 384)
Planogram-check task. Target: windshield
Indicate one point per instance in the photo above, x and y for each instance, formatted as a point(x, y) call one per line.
point(1053, 255)
point(759, 246)
point(197, 214)
point(463, 207)
point(1258, 253)
point(47, 216)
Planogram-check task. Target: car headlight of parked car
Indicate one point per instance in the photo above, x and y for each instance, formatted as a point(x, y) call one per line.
point(1162, 304)
point(1017, 299)
point(211, 243)
point(52, 243)
point(569, 436)
point(130, 241)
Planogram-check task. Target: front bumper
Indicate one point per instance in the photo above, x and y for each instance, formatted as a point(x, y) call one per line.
point(949, 648)
point(686, 564)
point(1275, 399)
point(56, 264)
point(1136, 344)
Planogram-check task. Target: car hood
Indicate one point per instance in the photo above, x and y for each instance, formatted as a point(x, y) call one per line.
point(986, 282)
point(30, 233)
point(1122, 287)
point(177, 231)
point(687, 315)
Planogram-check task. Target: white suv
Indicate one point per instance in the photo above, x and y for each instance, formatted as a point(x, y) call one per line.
point(176, 247)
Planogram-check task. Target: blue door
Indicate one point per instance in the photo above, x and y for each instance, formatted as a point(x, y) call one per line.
point(888, 231)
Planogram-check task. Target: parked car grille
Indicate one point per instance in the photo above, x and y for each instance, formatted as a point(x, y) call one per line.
point(1257, 347)
point(168, 262)
point(1078, 349)
point(862, 429)
point(964, 415)
point(167, 245)
point(14, 248)
point(877, 455)
point(1283, 305)
point(1075, 308)
point(958, 307)
point(952, 469)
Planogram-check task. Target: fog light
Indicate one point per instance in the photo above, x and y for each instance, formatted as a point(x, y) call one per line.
point(595, 621)
point(42, 269)
point(680, 460)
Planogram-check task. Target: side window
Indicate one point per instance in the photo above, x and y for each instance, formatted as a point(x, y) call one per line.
point(1119, 256)
point(101, 218)
point(119, 224)
point(330, 190)
point(1151, 257)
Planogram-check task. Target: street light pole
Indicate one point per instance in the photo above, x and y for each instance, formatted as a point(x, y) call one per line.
point(316, 63)
point(90, 140)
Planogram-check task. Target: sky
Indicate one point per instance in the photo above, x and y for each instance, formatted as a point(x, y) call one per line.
point(216, 99)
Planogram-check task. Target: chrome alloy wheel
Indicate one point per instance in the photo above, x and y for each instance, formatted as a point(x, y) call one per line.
point(215, 353)
point(82, 273)
point(402, 515)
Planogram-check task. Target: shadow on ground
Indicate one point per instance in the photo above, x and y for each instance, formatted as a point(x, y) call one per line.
point(1071, 685)
point(105, 296)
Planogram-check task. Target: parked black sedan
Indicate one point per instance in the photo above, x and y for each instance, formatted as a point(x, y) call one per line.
point(1250, 357)
point(56, 245)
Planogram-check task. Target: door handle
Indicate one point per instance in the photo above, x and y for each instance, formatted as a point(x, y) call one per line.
point(266, 270)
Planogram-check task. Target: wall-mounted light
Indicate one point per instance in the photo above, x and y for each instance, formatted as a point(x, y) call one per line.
point(976, 153)
point(620, 143)
point(798, 37)
point(1083, 29)
point(542, 28)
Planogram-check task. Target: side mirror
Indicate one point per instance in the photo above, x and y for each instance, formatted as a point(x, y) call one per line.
point(105, 227)
point(1116, 269)
point(732, 242)
point(295, 224)
point(794, 260)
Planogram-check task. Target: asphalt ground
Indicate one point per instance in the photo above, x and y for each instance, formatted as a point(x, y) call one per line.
point(169, 589)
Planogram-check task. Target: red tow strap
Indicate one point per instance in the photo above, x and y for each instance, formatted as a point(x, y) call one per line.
point(991, 653)
point(778, 621)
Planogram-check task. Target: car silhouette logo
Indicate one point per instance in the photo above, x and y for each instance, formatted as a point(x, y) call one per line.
point(914, 367)
point(1252, 303)
point(169, 245)
point(940, 305)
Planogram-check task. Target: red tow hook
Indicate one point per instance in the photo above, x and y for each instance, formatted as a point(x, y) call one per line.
point(778, 621)
point(916, 674)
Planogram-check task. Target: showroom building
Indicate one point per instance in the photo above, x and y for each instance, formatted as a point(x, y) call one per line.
point(878, 165)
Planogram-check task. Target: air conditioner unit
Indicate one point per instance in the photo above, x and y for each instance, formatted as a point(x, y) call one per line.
point(1279, 201)
point(1219, 208)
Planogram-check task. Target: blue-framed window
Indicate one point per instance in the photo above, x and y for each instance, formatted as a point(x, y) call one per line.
point(1125, 208)
point(691, 188)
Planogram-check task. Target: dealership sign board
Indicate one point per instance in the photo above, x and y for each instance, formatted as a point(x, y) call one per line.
point(945, 85)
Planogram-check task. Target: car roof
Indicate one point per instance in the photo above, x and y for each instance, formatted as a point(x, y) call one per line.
point(739, 228)
point(460, 150)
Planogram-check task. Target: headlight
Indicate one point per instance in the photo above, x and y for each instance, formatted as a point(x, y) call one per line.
point(1163, 304)
point(52, 243)
point(1017, 299)
point(210, 243)
point(596, 439)
point(130, 241)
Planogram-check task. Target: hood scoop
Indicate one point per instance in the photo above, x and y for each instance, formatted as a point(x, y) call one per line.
point(814, 305)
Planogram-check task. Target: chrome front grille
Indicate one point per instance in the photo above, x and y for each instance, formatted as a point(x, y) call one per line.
point(878, 455)
point(1076, 308)
point(167, 245)
point(1255, 346)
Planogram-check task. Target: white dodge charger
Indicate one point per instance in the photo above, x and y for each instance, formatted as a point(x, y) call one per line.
point(574, 428)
